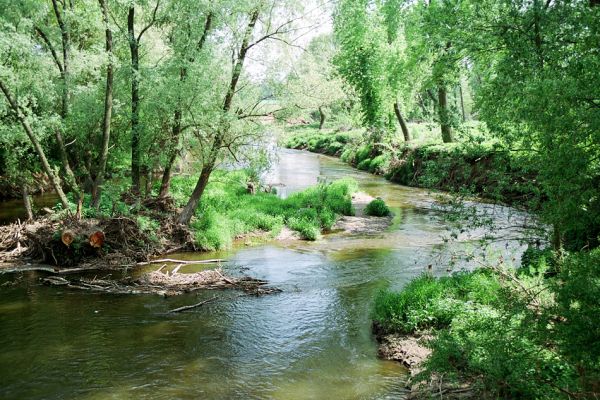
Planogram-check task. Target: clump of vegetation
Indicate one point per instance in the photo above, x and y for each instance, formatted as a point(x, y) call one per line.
point(511, 336)
point(228, 211)
point(377, 208)
point(324, 141)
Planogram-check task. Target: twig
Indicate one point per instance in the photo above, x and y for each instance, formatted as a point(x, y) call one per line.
point(176, 269)
point(176, 310)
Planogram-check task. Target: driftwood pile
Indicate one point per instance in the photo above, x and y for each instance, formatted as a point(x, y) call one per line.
point(165, 284)
point(70, 242)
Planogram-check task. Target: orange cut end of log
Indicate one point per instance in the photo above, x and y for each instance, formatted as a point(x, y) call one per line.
point(97, 239)
point(67, 237)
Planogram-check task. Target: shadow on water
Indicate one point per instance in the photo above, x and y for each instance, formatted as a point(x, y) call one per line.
point(312, 341)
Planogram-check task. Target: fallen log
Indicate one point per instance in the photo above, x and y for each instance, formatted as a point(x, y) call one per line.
point(184, 308)
point(11, 268)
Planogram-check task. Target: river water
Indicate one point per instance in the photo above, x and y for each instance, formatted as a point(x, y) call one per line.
point(312, 341)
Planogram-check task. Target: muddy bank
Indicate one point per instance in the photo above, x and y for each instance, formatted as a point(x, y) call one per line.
point(411, 351)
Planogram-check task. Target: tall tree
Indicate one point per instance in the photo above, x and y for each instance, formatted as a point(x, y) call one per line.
point(189, 56)
point(100, 168)
point(134, 48)
point(209, 163)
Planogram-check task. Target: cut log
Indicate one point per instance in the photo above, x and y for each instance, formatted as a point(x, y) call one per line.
point(67, 237)
point(97, 239)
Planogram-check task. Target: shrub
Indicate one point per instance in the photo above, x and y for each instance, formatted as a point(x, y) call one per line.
point(363, 153)
point(364, 164)
point(577, 293)
point(378, 164)
point(377, 208)
point(347, 155)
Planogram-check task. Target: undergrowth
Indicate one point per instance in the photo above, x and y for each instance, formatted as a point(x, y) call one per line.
point(509, 334)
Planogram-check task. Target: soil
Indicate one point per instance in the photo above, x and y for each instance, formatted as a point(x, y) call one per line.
point(411, 351)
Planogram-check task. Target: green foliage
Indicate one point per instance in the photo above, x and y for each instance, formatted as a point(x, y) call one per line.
point(512, 336)
point(578, 334)
point(377, 208)
point(501, 355)
point(427, 302)
point(364, 165)
point(227, 211)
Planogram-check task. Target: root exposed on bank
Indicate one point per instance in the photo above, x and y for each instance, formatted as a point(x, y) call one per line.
point(165, 284)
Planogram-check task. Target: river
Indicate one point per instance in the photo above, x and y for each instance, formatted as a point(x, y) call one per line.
point(312, 341)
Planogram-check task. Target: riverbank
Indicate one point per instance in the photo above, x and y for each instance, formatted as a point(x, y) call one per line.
point(474, 167)
point(502, 333)
point(129, 233)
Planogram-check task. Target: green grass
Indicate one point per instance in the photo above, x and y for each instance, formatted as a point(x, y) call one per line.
point(226, 211)
point(427, 303)
point(508, 340)
point(377, 208)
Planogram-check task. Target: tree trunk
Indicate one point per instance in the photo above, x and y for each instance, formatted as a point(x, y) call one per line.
point(322, 117)
point(444, 115)
point(190, 207)
point(462, 101)
point(402, 122)
point(135, 99)
point(36, 145)
point(63, 68)
point(108, 103)
point(27, 202)
point(192, 204)
point(166, 178)
point(176, 130)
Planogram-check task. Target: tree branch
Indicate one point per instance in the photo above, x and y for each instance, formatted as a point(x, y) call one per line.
point(51, 48)
point(151, 23)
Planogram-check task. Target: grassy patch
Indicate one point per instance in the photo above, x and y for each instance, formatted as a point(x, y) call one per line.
point(227, 211)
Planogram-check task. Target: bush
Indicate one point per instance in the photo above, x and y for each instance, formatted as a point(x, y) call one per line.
point(500, 353)
point(378, 164)
point(377, 208)
point(578, 335)
point(364, 165)
point(487, 330)
point(428, 302)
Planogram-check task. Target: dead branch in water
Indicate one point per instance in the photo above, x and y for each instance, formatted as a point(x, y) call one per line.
point(9, 268)
point(180, 309)
point(182, 262)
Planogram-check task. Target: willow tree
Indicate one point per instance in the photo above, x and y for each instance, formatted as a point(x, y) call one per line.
point(254, 23)
point(372, 59)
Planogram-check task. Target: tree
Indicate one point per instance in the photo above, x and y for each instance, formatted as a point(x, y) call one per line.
point(108, 106)
point(312, 83)
point(134, 47)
